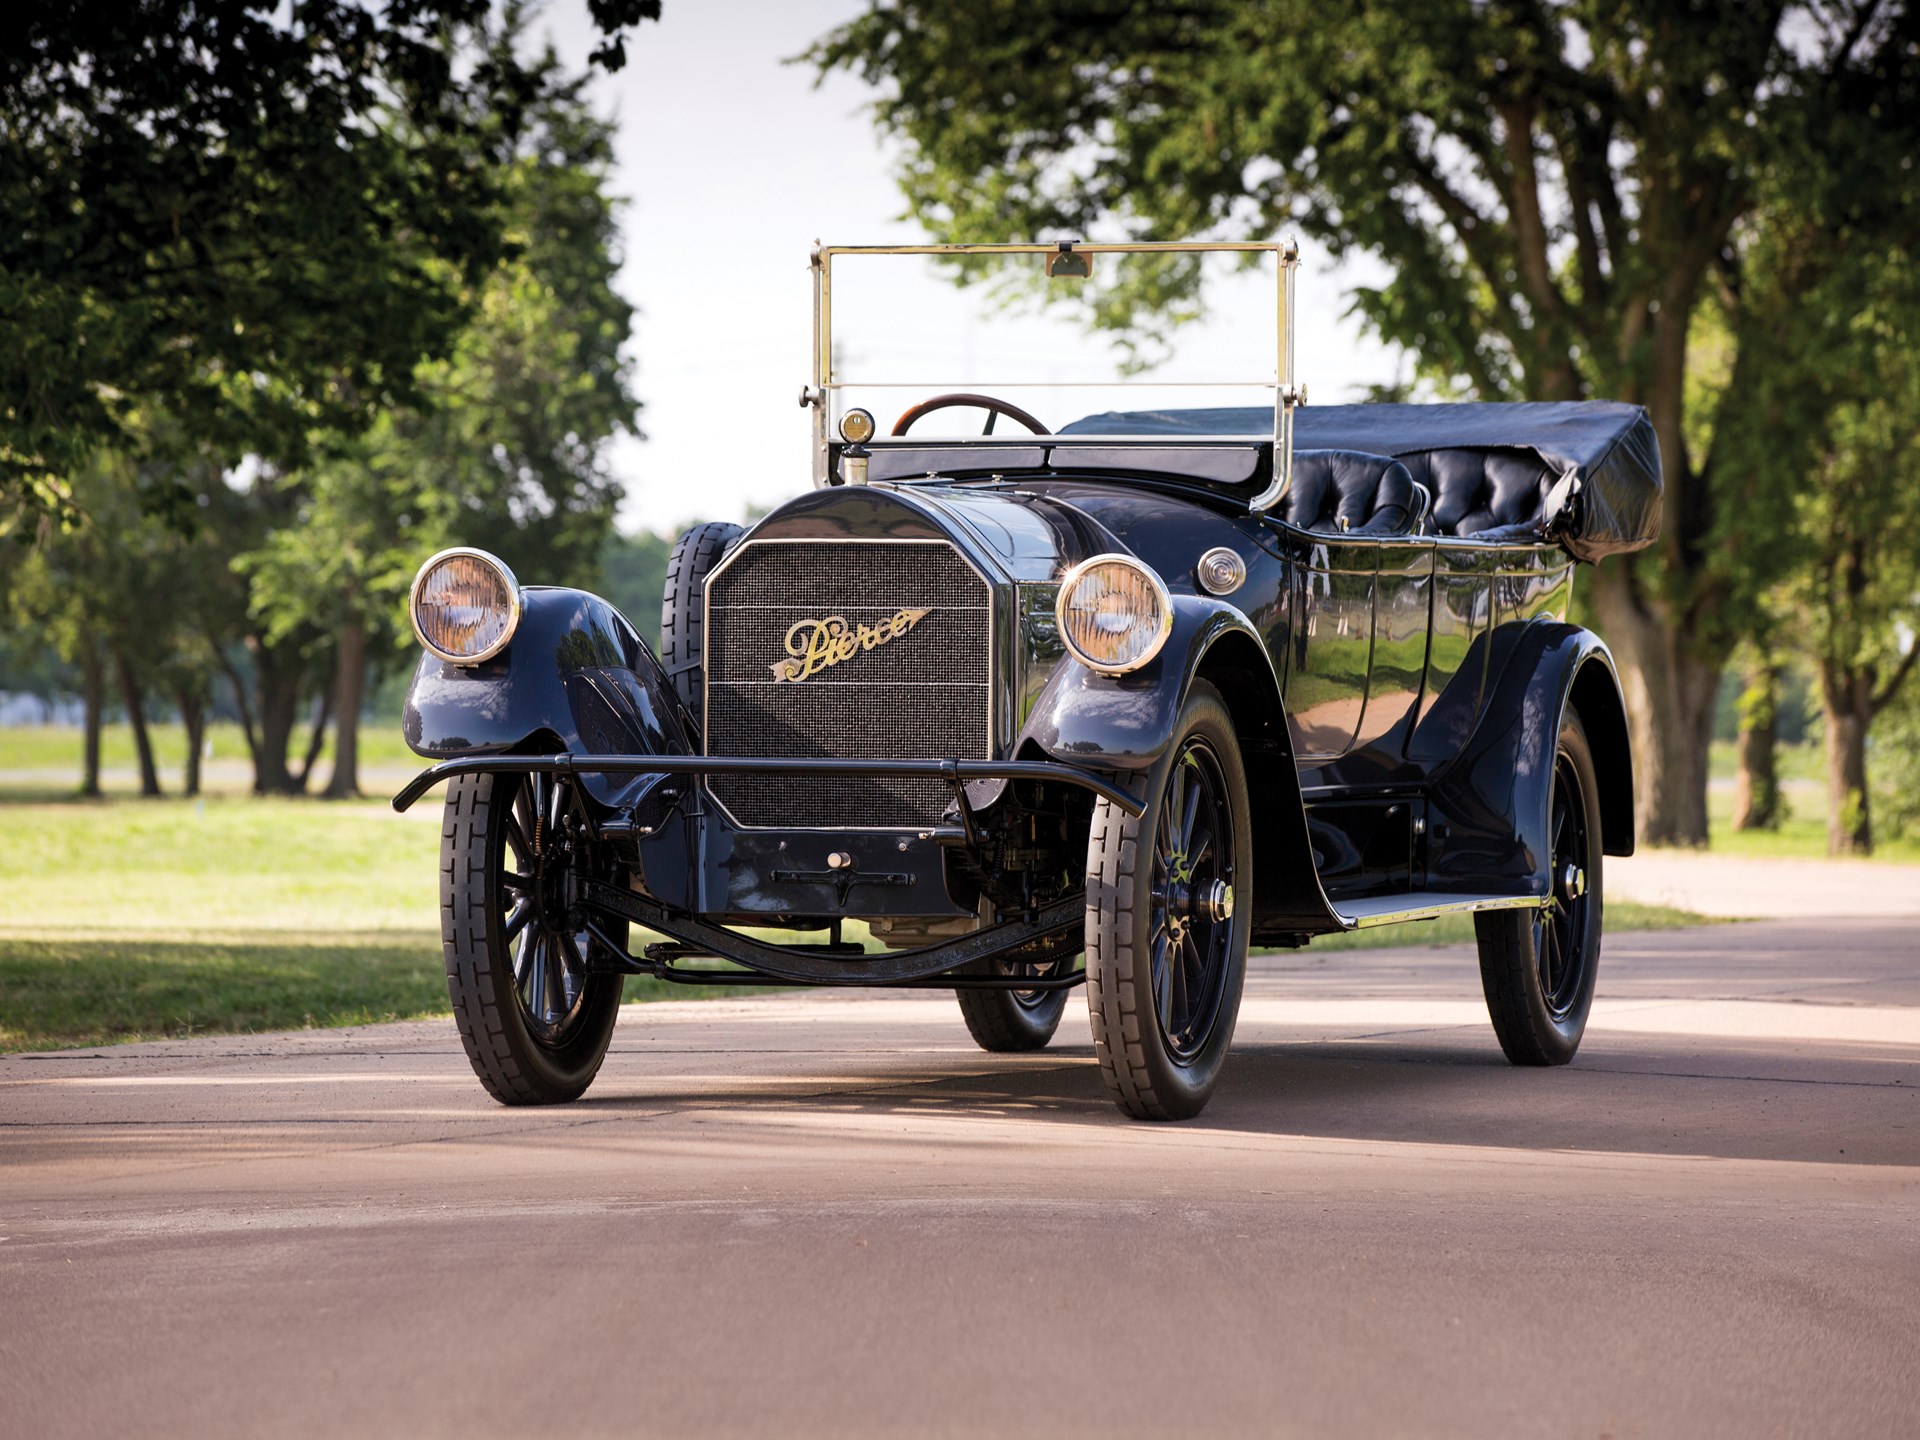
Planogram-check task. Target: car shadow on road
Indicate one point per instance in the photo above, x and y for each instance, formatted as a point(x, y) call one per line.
point(1665, 1095)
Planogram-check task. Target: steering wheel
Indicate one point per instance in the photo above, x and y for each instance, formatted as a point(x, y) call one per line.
point(994, 408)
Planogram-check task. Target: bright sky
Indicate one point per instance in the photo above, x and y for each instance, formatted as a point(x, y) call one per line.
point(734, 163)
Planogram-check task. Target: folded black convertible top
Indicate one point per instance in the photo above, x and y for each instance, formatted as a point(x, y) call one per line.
point(1604, 451)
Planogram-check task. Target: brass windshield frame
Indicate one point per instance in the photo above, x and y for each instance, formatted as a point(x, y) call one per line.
point(1287, 393)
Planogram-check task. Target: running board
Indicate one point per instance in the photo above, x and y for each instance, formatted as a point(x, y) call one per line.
point(1364, 913)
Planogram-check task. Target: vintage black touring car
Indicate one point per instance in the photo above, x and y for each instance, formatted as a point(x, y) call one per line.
point(1147, 690)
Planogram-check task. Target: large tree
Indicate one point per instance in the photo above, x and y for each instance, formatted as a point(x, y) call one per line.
point(507, 448)
point(254, 217)
point(1562, 190)
point(1857, 598)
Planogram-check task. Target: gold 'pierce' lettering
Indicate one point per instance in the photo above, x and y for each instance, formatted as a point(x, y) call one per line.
point(815, 645)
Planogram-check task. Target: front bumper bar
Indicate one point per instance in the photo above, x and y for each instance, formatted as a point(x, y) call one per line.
point(955, 772)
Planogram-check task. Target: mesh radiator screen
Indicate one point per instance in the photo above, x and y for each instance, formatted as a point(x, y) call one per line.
point(925, 694)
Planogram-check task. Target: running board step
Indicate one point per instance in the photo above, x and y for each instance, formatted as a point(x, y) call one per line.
point(1364, 913)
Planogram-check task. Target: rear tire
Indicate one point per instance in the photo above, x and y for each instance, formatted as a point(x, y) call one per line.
point(1538, 967)
point(1166, 951)
point(683, 613)
point(535, 1021)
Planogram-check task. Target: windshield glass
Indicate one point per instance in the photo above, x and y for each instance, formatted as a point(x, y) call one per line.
point(896, 328)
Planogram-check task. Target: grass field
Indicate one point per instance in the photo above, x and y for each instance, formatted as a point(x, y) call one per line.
point(134, 920)
point(54, 752)
point(1803, 833)
point(139, 920)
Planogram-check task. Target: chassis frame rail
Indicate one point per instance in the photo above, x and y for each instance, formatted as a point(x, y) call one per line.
point(955, 772)
point(793, 963)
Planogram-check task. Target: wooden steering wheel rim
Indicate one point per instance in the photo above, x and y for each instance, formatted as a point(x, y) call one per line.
point(962, 397)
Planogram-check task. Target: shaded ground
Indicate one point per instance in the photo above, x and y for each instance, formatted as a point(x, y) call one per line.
point(827, 1214)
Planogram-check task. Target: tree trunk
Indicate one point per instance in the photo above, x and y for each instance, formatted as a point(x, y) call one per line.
point(279, 712)
point(92, 688)
point(316, 737)
point(246, 713)
point(131, 697)
point(193, 715)
point(1845, 699)
point(350, 684)
point(1669, 692)
point(1756, 785)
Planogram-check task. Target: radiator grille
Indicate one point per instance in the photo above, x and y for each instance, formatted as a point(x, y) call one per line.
point(924, 695)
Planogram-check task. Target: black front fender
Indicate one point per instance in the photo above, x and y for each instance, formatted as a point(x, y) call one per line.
point(1125, 722)
point(576, 677)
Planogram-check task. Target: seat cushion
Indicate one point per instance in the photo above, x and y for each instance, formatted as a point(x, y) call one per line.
point(1481, 492)
point(1350, 492)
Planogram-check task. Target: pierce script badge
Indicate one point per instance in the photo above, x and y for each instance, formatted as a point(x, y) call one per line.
point(814, 645)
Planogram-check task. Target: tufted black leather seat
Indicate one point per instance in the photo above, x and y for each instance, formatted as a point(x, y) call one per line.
point(1351, 492)
point(1488, 494)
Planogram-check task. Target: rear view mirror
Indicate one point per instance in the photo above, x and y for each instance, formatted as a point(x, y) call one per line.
point(1067, 264)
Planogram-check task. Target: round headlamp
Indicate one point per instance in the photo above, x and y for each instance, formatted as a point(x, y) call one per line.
point(1114, 613)
point(465, 605)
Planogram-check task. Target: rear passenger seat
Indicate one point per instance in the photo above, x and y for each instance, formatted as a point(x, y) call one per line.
point(1348, 492)
point(1487, 494)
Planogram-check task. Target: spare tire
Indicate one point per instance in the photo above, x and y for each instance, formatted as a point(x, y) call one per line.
point(683, 613)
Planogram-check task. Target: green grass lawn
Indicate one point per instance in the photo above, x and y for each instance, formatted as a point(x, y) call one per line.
point(1458, 929)
point(56, 749)
point(138, 920)
point(1803, 833)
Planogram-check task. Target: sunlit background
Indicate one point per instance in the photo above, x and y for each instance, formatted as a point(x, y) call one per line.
point(726, 201)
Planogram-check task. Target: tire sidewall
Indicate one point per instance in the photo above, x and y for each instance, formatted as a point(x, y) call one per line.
point(1544, 1037)
point(1181, 1088)
point(1565, 1032)
point(547, 1073)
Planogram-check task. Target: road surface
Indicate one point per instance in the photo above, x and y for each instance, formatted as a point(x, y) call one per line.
point(829, 1215)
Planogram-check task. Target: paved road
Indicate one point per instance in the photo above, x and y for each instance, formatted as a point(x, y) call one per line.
point(829, 1215)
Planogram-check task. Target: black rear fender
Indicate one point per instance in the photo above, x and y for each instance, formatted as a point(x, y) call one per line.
point(1489, 808)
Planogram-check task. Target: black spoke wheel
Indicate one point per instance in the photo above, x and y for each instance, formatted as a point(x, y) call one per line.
point(1166, 921)
point(1010, 1021)
point(1538, 967)
point(535, 1018)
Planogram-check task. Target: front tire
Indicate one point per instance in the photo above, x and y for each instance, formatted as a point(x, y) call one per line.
point(1015, 1021)
point(1167, 900)
point(534, 1020)
point(1538, 967)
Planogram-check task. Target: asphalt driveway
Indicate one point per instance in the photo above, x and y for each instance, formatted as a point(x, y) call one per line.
point(812, 1214)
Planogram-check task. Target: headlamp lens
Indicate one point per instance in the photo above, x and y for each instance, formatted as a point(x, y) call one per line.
point(465, 605)
point(1114, 614)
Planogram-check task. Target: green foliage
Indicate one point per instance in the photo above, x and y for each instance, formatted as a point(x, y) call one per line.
point(1642, 201)
point(1558, 188)
point(255, 219)
point(633, 570)
point(1895, 762)
point(504, 449)
point(287, 580)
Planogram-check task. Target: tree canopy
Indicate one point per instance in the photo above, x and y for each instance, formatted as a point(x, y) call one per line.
point(1563, 191)
point(254, 217)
